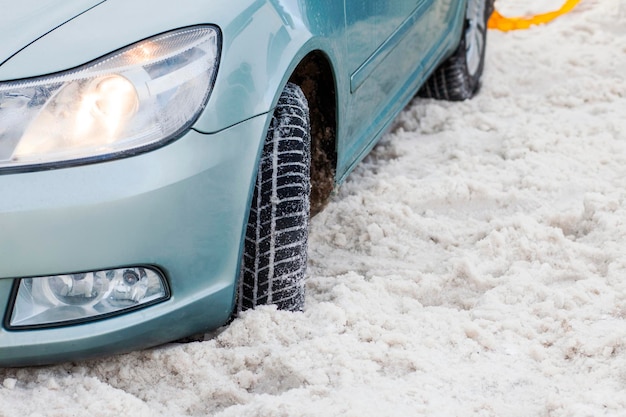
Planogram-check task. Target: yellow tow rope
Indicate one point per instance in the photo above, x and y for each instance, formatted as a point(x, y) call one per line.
point(505, 24)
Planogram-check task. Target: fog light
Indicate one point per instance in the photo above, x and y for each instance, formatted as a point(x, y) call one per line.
point(63, 299)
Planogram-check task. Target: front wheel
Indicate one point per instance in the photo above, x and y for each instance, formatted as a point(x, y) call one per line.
point(275, 247)
point(458, 78)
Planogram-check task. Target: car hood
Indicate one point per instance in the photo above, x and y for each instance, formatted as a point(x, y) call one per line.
point(28, 20)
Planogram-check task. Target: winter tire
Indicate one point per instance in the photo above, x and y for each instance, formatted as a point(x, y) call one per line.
point(458, 78)
point(275, 247)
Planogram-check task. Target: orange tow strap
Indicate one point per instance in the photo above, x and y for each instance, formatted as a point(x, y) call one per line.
point(505, 24)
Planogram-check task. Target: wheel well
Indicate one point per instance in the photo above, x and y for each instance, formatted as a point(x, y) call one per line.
point(315, 77)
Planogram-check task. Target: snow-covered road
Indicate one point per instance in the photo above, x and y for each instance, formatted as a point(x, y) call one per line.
point(473, 265)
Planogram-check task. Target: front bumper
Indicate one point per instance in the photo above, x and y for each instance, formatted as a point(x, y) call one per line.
point(181, 208)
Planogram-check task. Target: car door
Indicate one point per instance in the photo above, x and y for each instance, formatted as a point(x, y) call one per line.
point(389, 44)
point(368, 25)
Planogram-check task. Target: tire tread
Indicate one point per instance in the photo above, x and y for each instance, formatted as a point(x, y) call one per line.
point(274, 259)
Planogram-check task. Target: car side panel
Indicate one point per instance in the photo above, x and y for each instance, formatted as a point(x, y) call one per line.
point(369, 26)
point(390, 77)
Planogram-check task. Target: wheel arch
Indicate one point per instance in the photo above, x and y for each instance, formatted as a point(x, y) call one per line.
point(315, 76)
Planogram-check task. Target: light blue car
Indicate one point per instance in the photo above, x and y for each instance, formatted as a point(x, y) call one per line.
point(159, 160)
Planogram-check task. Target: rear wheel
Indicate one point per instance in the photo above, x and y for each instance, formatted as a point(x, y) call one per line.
point(458, 78)
point(275, 248)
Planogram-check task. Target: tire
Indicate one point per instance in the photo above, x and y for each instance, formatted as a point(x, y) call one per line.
point(275, 248)
point(458, 78)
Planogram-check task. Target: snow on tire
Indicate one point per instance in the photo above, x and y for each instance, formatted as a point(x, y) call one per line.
point(275, 247)
point(458, 77)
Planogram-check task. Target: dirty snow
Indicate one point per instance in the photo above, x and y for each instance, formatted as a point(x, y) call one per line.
point(473, 265)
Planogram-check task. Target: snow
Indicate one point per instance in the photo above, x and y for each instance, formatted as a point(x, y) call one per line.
point(472, 265)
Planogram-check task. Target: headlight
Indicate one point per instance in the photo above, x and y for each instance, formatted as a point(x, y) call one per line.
point(131, 100)
point(62, 299)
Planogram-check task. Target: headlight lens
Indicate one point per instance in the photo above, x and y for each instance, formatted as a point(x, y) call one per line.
point(60, 299)
point(130, 100)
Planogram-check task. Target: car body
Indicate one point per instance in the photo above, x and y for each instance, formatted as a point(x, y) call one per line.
point(180, 205)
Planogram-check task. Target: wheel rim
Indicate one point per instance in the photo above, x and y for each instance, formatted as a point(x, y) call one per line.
point(474, 34)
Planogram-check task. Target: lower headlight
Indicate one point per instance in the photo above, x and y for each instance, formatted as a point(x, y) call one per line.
point(131, 100)
point(62, 299)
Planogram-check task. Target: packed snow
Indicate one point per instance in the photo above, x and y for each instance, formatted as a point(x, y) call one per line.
point(473, 265)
